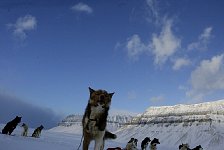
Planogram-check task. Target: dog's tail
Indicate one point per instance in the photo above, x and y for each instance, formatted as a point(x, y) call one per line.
point(109, 135)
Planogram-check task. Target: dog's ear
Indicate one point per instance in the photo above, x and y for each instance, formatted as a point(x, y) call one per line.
point(91, 90)
point(111, 94)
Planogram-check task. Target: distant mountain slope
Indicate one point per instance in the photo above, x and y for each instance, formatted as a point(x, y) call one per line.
point(73, 123)
point(194, 124)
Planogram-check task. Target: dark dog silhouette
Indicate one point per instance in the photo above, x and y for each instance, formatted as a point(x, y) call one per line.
point(145, 143)
point(116, 148)
point(197, 148)
point(37, 131)
point(10, 126)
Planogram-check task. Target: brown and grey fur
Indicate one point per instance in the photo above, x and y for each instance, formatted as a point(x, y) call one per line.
point(95, 119)
point(132, 144)
point(145, 143)
point(25, 129)
point(184, 147)
point(153, 144)
point(197, 148)
point(37, 131)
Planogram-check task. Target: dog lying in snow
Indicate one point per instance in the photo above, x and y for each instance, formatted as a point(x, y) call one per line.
point(186, 147)
point(116, 148)
point(197, 148)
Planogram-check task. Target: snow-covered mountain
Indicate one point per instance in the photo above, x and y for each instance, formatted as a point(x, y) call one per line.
point(77, 119)
point(73, 123)
point(193, 124)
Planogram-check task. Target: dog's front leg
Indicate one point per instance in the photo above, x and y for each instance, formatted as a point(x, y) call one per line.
point(86, 143)
point(99, 144)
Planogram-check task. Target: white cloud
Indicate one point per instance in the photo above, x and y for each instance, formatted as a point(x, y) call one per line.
point(81, 7)
point(135, 47)
point(164, 45)
point(207, 78)
point(180, 62)
point(203, 40)
point(22, 25)
point(153, 11)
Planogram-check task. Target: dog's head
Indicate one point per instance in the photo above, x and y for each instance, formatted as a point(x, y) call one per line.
point(136, 141)
point(199, 147)
point(155, 141)
point(184, 146)
point(41, 127)
point(147, 139)
point(100, 97)
point(131, 140)
point(17, 119)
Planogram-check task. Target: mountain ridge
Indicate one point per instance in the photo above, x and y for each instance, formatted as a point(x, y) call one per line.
point(194, 124)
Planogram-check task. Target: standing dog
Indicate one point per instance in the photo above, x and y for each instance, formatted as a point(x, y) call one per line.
point(25, 129)
point(145, 143)
point(95, 119)
point(153, 144)
point(10, 126)
point(37, 131)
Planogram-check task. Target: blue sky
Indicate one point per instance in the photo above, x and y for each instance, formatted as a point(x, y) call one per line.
point(150, 53)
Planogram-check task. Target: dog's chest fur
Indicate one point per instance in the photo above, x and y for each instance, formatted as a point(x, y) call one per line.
point(96, 112)
point(92, 121)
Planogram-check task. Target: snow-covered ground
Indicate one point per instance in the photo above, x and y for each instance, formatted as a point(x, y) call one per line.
point(52, 140)
point(193, 124)
point(68, 138)
point(49, 140)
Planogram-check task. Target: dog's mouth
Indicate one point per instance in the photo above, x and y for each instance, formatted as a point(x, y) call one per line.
point(98, 104)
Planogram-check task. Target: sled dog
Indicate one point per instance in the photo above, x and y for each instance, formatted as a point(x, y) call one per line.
point(95, 119)
point(184, 147)
point(153, 144)
point(25, 129)
point(37, 131)
point(132, 144)
point(145, 143)
point(10, 126)
point(197, 148)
